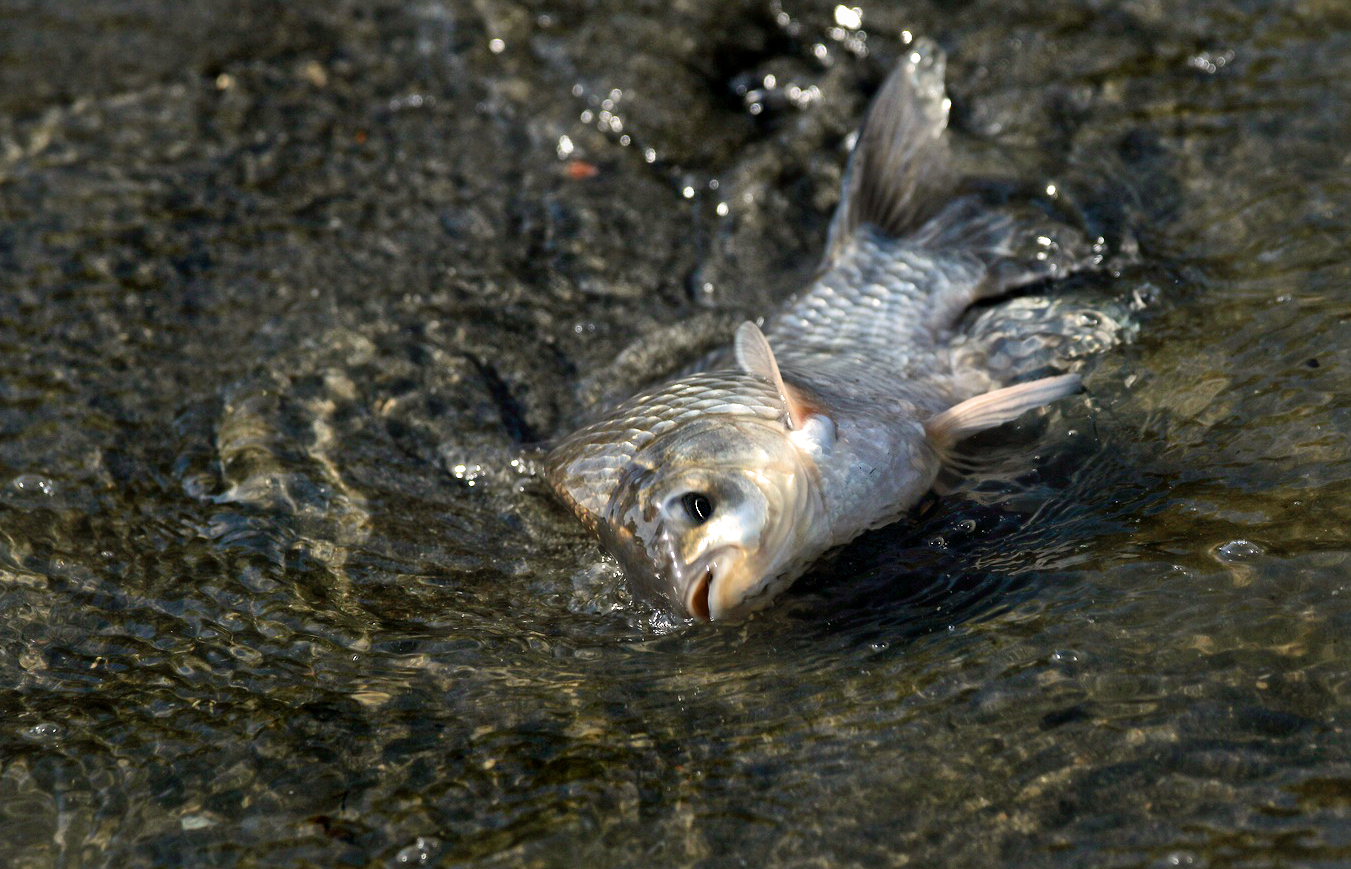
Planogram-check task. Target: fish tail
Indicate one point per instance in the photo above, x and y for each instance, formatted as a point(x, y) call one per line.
point(1017, 248)
point(1036, 334)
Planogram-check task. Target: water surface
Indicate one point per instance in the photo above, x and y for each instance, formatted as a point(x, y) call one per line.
point(288, 292)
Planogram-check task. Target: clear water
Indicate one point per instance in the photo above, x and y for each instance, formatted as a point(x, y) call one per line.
point(286, 287)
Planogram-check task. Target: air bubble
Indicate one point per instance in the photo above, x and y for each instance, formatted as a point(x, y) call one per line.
point(34, 485)
point(849, 16)
point(422, 852)
point(1238, 551)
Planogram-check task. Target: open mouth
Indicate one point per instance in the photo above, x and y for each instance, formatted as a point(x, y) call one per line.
point(717, 567)
point(696, 598)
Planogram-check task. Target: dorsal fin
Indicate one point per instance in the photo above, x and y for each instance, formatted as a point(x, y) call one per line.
point(756, 358)
point(899, 166)
point(996, 408)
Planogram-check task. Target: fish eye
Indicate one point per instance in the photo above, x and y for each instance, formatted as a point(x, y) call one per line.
point(698, 507)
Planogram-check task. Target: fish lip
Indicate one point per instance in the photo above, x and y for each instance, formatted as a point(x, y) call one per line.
point(696, 595)
point(701, 589)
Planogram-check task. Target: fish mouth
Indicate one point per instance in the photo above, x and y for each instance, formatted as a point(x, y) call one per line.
point(696, 596)
point(706, 595)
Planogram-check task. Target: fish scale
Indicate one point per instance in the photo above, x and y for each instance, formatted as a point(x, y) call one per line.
point(591, 456)
point(873, 320)
point(873, 303)
point(717, 489)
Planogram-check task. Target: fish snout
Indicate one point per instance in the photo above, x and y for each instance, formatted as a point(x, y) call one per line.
point(708, 589)
point(696, 595)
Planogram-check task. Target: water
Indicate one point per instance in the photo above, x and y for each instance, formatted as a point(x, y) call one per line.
point(286, 289)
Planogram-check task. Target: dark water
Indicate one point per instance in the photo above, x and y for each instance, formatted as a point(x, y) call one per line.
point(287, 286)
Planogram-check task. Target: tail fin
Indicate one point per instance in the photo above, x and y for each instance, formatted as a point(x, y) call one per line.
point(900, 162)
point(1039, 333)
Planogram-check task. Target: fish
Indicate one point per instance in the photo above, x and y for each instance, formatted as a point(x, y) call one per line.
point(717, 489)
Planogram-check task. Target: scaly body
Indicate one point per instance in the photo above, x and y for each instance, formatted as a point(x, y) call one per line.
point(715, 491)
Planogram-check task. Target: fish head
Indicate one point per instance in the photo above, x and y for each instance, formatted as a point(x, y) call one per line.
point(712, 516)
point(715, 516)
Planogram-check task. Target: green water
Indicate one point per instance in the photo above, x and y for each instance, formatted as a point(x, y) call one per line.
point(286, 288)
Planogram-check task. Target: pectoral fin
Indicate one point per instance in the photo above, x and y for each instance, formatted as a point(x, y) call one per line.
point(756, 358)
point(996, 408)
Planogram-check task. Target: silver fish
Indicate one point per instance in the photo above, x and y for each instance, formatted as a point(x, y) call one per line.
point(716, 490)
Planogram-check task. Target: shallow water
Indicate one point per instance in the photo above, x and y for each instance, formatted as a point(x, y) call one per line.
point(288, 289)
